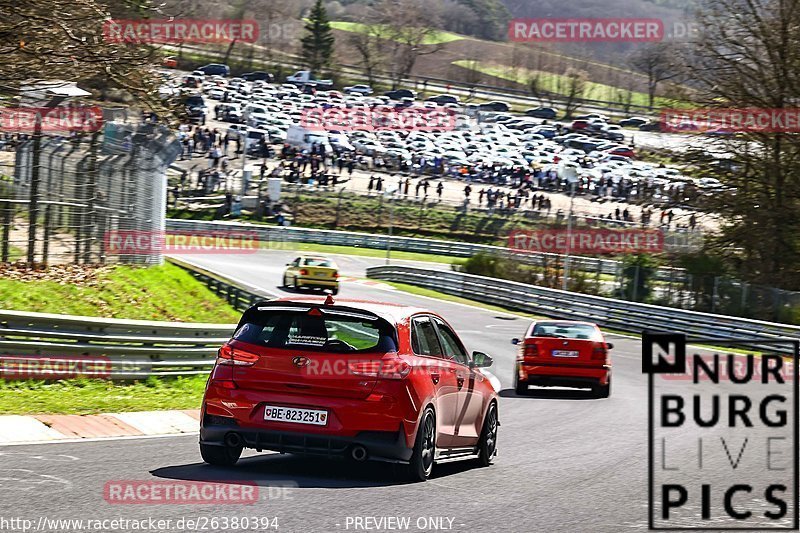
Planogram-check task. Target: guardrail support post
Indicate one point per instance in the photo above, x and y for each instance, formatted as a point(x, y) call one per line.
point(715, 294)
point(48, 211)
point(743, 304)
point(7, 210)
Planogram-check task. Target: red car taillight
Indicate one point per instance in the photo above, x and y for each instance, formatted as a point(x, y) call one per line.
point(336, 274)
point(600, 353)
point(303, 272)
point(229, 356)
point(390, 368)
point(530, 352)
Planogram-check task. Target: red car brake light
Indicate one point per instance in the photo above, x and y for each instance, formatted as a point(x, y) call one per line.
point(600, 353)
point(303, 272)
point(388, 368)
point(228, 356)
point(530, 351)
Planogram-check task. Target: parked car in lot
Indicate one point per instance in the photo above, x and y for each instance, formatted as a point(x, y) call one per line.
point(215, 68)
point(653, 126)
point(307, 78)
point(541, 112)
point(614, 133)
point(229, 112)
point(366, 90)
point(442, 99)
point(633, 122)
point(170, 62)
point(195, 108)
point(624, 151)
point(495, 105)
point(313, 272)
point(580, 124)
point(563, 353)
point(364, 380)
point(258, 75)
point(399, 94)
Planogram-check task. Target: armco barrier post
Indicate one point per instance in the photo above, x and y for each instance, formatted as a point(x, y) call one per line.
point(7, 211)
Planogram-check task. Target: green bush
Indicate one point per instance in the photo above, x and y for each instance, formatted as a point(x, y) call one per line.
point(638, 272)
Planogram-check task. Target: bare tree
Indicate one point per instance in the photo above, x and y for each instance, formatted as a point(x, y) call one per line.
point(748, 56)
point(52, 40)
point(409, 31)
point(573, 88)
point(658, 62)
point(473, 75)
point(535, 86)
point(368, 43)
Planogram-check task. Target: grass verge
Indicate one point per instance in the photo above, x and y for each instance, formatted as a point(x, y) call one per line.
point(83, 397)
point(430, 293)
point(435, 37)
point(162, 292)
point(559, 84)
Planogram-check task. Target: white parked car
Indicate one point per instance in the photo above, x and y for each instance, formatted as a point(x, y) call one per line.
point(365, 90)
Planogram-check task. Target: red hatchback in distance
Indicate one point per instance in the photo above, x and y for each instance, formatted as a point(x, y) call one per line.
point(362, 380)
point(563, 353)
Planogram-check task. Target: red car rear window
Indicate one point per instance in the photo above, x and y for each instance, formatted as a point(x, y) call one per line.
point(328, 332)
point(567, 331)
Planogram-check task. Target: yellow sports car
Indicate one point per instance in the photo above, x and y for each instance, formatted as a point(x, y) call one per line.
point(312, 271)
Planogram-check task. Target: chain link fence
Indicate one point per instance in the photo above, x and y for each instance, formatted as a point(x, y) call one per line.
point(69, 194)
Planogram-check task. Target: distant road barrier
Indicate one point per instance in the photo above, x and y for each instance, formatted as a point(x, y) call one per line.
point(136, 349)
point(280, 235)
point(616, 314)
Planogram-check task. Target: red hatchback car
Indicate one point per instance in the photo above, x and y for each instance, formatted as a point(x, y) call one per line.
point(358, 379)
point(563, 353)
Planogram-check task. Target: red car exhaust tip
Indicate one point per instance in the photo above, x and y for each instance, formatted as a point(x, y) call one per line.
point(359, 453)
point(233, 440)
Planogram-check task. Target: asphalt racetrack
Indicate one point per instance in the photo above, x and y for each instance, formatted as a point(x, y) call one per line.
point(566, 461)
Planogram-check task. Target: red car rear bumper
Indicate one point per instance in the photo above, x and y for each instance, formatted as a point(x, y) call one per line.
point(380, 423)
point(564, 374)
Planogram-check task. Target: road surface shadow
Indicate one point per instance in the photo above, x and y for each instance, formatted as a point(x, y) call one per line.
point(544, 393)
point(304, 472)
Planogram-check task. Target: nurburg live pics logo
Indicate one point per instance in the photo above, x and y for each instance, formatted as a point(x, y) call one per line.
point(722, 443)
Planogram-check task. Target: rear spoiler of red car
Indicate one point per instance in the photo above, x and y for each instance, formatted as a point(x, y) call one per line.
point(309, 307)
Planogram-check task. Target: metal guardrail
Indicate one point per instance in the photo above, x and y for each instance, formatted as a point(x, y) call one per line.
point(125, 349)
point(616, 314)
point(237, 293)
point(277, 234)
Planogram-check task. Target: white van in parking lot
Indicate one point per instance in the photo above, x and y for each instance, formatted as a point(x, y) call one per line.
point(304, 138)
